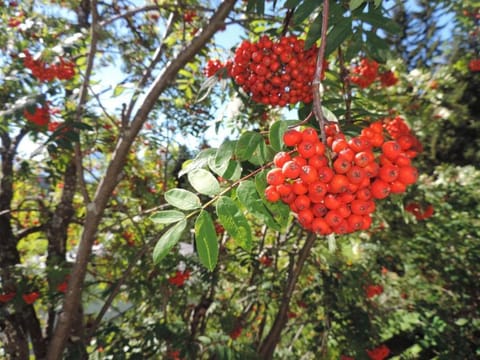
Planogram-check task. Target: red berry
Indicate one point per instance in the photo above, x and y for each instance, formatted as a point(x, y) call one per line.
point(292, 137)
point(380, 189)
point(407, 175)
point(271, 194)
point(281, 158)
point(291, 169)
point(275, 177)
point(306, 149)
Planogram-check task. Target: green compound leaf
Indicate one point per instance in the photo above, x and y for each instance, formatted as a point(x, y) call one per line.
point(206, 240)
point(168, 241)
point(339, 33)
point(167, 217)
point(249, 197)
point(182, 199)
point(234, 222)
point(204, 182)
point(247, 144)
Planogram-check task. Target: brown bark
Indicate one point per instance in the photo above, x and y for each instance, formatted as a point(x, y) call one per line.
point(268, 345)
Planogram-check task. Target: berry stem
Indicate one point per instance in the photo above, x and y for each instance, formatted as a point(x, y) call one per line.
point(317, 82)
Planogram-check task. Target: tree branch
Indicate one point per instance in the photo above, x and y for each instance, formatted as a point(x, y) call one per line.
point(96, 208)
point(268, 346)
point(317, 81)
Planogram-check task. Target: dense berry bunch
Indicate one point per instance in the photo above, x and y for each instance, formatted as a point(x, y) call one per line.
point(62, 69)
point(474, 65)
point(41, 115)
point(275, 72)
point(365, 73)
point(333, 189)
point(213, 67)
point(388, 78)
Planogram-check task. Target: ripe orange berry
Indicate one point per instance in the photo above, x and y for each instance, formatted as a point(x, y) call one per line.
point(407, 175)
point(271, 194)
point(391, 149)
point(320, 226)
point(380, 189)
point(318, 161)
point(356, 174)
point(310, 135)
point(291, 169)
point(341, 165)
point(338, 184)
point(281, 158)
point(308, 174)
point(319, 210)
point(333, 218)
point(388, 173)
point(317, 191)
point(275, 177)
point(292, 137)
point(325, 174)
point(306, 149)
point(302, 202)
point(299, 187)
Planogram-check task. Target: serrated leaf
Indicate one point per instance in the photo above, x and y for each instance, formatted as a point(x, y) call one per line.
point(168, 241)
point(167, 216)
point(206, 240)
point(204, 182)
point(200, 161)
point(234, 222)
point(247, 144)
point(182, 199)
point(339, 33)
point(249, 197)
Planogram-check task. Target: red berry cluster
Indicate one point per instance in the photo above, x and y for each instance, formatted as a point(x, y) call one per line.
point(373, 290)
point(179, 278)
point(41, 115)
point(420, 212)
point(275, 72)
point(378, 353)
point(213, 67)
point(62, 69)
point(474, 65)
point(338, 195)
point(366, 73)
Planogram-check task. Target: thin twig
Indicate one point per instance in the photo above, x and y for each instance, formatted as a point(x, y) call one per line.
point(317, 80)
point(83, 99)
point(148, 72)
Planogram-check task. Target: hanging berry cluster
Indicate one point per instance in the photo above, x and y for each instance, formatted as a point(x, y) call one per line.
point(275, 73)
point(40, 117)
point(333, 188)
point(62, 69)
point(366, 72)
